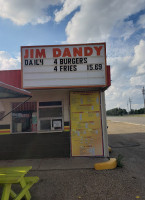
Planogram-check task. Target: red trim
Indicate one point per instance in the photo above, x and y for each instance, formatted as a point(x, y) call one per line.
point(4, 131)
point(21, 70)
point(108, 76)
point(105, 63)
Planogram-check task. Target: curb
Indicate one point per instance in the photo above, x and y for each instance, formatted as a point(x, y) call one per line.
point(110, 164)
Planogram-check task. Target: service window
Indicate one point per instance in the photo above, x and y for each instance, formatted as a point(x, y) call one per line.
point(24, 117)
point(51, 116)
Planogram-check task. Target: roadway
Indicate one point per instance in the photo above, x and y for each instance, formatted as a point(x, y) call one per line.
point(128, 119)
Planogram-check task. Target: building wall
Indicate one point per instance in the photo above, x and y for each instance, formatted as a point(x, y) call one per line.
point(5, 123)
point(28, 146)
point(38, 96)
point(46, 95)
point(33, 145)
point(53, 95)
point(7, 107)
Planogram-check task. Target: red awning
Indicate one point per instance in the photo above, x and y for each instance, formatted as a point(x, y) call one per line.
point(27, 106)
point(9, 91)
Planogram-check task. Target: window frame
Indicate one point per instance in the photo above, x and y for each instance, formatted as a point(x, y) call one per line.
point(50, 118)
point(20, 103)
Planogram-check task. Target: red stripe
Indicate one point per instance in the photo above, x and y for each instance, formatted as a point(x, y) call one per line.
point(5, 131)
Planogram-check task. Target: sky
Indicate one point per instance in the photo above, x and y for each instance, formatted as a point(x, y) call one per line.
point(121, 24)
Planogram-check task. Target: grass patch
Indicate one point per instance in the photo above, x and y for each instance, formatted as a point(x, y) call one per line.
point(137, 115)
point(120, 161)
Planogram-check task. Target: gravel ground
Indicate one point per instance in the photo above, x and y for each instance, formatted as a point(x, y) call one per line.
point(127, 183)
point(86, 184)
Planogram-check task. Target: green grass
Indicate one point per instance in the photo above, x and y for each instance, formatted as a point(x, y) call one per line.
point(136, 115)
point(119, 161)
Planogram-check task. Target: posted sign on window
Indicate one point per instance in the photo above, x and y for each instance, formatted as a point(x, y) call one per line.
point(64, 66)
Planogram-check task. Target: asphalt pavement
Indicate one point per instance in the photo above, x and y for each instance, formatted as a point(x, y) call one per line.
point(128, 140)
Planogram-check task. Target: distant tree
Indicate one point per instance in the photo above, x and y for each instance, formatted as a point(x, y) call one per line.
point(120, 112)
point(124, 112)
point(132, 112)
point(139, 111)
point(116, 112)
point(136, 112)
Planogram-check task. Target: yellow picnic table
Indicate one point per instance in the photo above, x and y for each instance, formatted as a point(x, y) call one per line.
point(16, 175)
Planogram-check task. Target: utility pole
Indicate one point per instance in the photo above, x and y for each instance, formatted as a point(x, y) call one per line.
point(127, 108)
point(130, 101)
point(143, 93)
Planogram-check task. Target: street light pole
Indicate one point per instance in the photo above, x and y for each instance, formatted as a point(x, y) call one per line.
point(143, 92)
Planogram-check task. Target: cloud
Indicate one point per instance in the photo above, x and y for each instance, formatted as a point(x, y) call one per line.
point(120, 69)
point(123, 29)
point(7, 62)
point(66, 9)
point(95, 19)
point(141, 21)
point(128, 79)
point(137, 80)
point(117, 95)
point(138, 60)
point(28, 11)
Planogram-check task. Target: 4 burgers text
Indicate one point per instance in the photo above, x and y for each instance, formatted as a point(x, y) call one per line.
point(66, 64)
point(69, 64)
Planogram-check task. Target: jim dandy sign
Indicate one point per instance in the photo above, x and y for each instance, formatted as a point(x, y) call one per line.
point(64, 65)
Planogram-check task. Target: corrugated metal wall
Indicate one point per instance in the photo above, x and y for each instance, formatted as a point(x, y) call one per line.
point(11, 77)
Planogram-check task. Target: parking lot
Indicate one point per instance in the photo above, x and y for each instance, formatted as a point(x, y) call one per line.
point(125, 183)
point(128, 139)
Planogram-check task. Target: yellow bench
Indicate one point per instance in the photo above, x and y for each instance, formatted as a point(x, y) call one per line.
point(16, 175)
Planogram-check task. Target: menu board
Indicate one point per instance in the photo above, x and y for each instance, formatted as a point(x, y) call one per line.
point(63, 66)
point(86, 130)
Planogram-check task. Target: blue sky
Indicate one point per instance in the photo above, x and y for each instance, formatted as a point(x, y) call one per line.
point(121, 24)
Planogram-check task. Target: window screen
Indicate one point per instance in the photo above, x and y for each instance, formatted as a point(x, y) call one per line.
point(51, 103)
point(50, 112)
point(45, 124)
